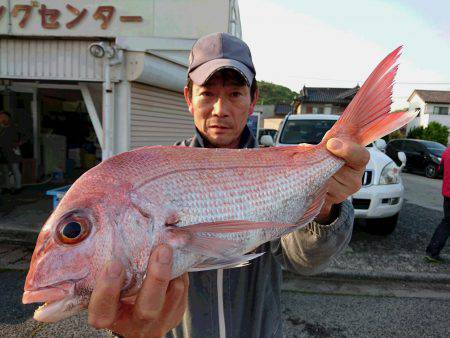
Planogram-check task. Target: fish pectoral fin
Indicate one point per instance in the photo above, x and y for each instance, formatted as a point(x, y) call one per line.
point(202, 238)
point(314, 208)
point(183, 238)
point(231, 263)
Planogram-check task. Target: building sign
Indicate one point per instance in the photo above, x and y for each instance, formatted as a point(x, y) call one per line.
point(75, 18)
point(113, 18)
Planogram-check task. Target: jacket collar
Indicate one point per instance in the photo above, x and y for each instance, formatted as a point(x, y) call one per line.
point(247, 140)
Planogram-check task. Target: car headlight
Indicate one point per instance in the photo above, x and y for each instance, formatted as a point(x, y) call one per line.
point(390, 174)
point(436, 159)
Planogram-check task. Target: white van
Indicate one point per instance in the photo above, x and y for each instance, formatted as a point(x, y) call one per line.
point(381, 196)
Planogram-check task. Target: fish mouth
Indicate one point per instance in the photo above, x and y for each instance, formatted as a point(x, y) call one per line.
point(59, 301)
point(48, 294)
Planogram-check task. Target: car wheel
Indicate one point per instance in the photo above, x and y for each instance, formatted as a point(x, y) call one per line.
point(381, 226)
point(431, 171)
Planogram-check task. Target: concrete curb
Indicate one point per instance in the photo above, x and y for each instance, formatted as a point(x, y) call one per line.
point(414, 277)
point(18, 236)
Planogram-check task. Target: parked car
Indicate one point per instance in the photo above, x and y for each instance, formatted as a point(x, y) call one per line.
point(381, 197)
point(421, 155)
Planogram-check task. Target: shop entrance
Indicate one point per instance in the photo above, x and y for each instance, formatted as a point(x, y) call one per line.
point(69, 144)
point(58, 141)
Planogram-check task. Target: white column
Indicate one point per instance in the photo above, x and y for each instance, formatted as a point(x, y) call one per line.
point(123, 116)
point(108, 112)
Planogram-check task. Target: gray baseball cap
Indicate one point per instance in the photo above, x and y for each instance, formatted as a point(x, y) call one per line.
point(217, 51)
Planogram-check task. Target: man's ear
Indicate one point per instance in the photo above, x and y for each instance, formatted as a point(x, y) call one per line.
point(254, 101)
point(188, 100)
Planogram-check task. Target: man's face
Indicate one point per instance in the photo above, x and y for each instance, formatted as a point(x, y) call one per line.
point(220, 108)
point(4, 120)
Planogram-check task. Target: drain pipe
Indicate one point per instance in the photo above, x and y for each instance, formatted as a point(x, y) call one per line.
point(108, 112)
point(9, 18)
point(112, 56)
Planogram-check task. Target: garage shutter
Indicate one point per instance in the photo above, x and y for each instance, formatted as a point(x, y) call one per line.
point(158, 116)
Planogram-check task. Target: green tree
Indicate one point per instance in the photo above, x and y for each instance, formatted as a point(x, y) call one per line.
point(434, 132)
point(270, 93)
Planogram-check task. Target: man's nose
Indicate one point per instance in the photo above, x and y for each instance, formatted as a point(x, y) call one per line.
point(221, 107)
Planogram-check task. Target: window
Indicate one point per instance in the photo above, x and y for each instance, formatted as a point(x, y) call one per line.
point(397, 145)
point(305, 131)
point(440, 110)
point(317, 110)
point(414, 147)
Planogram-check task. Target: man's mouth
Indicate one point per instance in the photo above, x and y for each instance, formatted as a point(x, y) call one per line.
point(218, 128)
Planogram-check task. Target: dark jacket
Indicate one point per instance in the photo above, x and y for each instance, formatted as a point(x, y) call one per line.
point(9, 138)
point(246, 302)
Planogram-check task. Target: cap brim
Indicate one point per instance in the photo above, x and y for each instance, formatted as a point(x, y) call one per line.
point(202, 73)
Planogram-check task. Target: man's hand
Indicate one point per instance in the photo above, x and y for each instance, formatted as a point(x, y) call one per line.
point(348, 179)
point(159, 305)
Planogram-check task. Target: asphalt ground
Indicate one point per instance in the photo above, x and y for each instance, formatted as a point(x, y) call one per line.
point(327, 315)
point(304, 314)
point(312, 307)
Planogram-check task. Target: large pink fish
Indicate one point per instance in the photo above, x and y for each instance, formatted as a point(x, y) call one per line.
point(213, 206)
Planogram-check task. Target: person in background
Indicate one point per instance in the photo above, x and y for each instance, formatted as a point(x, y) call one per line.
point(10, 152)
point(442, 231)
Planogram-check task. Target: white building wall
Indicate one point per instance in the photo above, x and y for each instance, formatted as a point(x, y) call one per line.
point(48, 59)
point(158, 117)
point(422, 119)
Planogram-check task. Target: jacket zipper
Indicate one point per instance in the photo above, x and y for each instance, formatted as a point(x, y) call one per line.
point(222, 332)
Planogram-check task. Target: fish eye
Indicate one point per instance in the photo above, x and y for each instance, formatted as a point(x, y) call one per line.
point(73, 231)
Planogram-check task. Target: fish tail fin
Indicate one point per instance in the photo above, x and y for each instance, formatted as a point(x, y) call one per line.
point(368, 117)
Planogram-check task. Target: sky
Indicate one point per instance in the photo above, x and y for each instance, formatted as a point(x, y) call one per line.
point(320, 43)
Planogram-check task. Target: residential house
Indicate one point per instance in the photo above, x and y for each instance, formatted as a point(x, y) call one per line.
point(273, 114)
point(434, 106)
point(323, 100)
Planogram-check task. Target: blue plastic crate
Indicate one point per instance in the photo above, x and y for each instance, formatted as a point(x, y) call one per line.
point(57, 194)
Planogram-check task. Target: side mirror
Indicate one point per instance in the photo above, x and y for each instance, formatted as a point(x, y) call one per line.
point(402, 157)
point(266, 140)
point(380, 144)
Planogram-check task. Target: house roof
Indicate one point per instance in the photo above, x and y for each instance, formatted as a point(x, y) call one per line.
point(432, 96)
point(327, 95)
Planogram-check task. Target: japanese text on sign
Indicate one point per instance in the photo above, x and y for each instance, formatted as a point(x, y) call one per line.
point(50, 16)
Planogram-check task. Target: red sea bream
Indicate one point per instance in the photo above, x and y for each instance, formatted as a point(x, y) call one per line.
point(213, 206)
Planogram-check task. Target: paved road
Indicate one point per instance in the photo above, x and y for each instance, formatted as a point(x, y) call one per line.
point(304, 315)
point(358, 311)
point(321, 315)
point(423, 191)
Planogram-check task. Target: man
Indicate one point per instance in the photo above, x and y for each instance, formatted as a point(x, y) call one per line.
point(442, 231)
point(244, 302)
point(9, 152)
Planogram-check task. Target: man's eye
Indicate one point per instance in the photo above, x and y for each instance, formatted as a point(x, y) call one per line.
point(207, 94)
point(236, 94)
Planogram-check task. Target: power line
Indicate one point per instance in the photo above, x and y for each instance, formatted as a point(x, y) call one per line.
point(360, 81)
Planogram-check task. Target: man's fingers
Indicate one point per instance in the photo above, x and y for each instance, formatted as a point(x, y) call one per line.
point(355, 155)
point(151, 297)
point(173, 309)
point(105, 299)
point(335, 194)
point(349, 179)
